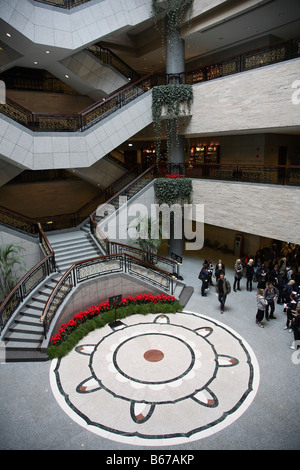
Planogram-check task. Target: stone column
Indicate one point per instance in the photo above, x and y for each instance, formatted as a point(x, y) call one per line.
point(175, 75)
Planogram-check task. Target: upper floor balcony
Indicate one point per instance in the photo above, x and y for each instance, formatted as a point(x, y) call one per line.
point(248, 96)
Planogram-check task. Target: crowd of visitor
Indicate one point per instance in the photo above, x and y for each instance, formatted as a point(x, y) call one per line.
point(276, 278)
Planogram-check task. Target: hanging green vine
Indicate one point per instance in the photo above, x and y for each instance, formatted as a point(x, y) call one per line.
point(173, 190)
point(171, 97)
point(174, 9)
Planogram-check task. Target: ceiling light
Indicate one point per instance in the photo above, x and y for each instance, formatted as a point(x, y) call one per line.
point(8, 35)
point(47, 52)
point(130, 145)
point(67, 76)
point(35, 62)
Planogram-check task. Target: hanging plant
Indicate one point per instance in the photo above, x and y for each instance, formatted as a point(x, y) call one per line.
point(171, 97)
point(174, 9)
point(173, 190)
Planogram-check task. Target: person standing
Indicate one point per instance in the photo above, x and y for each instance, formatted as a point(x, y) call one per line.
point(261, 307)
point(270, 295)
point(291, 311)
point(223, 288)
point(296, 329)
point(262, 276)
point(249, 274)
point(238, 274)
point(203, 276)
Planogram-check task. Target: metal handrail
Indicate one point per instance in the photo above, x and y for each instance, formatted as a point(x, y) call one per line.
point(73, 271)
point(103, 108)
point(288, 175)
point(20, 292)
point(66, 4)
point(110, 58)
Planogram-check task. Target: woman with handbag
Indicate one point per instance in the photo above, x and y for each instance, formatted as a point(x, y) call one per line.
point(261, 307)
point(238, 274)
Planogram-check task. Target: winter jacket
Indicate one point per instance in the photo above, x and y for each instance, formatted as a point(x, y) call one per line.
point(261, 302)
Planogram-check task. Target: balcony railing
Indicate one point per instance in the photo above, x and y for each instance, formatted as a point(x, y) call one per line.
point(256, 58)
point(32, 278)
point(90, 116)
point(265, 174)
point(66, 4)
point(96, 268)
point(108, 57)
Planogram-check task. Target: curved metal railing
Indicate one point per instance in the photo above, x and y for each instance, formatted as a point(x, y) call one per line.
point(29, 281)
point(43, 122)
point(95, 268)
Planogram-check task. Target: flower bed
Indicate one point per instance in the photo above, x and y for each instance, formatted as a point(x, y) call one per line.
point(175, 176)
point(83, 316)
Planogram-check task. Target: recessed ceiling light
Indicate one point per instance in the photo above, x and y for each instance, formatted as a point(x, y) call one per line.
point(67, 76)
point(35, 62)
point(130, 145)
point(8, 35)
point(47, 52)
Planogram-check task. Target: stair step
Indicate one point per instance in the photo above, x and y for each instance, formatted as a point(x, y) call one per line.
point(35, 305)
point(28, 321)
point(71, 237)
point(37, 299)
point(68, 262)
point(46, 291)
point(30, 312)
point(70, 254)
point(25, 356)
point(18, 346)
point(24, 338)
point(72, 245)
point(33, 328)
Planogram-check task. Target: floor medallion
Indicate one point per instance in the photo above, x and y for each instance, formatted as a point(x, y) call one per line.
point(157, 380)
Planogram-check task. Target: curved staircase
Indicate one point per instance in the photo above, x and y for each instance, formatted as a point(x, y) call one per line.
point(23, 339)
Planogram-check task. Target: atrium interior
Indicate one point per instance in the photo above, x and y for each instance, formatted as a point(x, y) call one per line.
point(81, 85)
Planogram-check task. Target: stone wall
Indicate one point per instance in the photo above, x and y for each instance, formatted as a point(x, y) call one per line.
point(31, 252)
point(265, 210)
point(256, 100)
point(94, 292)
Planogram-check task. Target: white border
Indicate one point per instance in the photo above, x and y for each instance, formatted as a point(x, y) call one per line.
point(138, 441)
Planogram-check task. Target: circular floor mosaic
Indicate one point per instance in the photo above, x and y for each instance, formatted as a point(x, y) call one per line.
point(157, 380)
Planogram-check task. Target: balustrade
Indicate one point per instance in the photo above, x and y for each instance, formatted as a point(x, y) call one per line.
point(265, 174)
point(35, 276)
point(66, 4)
point(101, 266)
point(44, 122)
